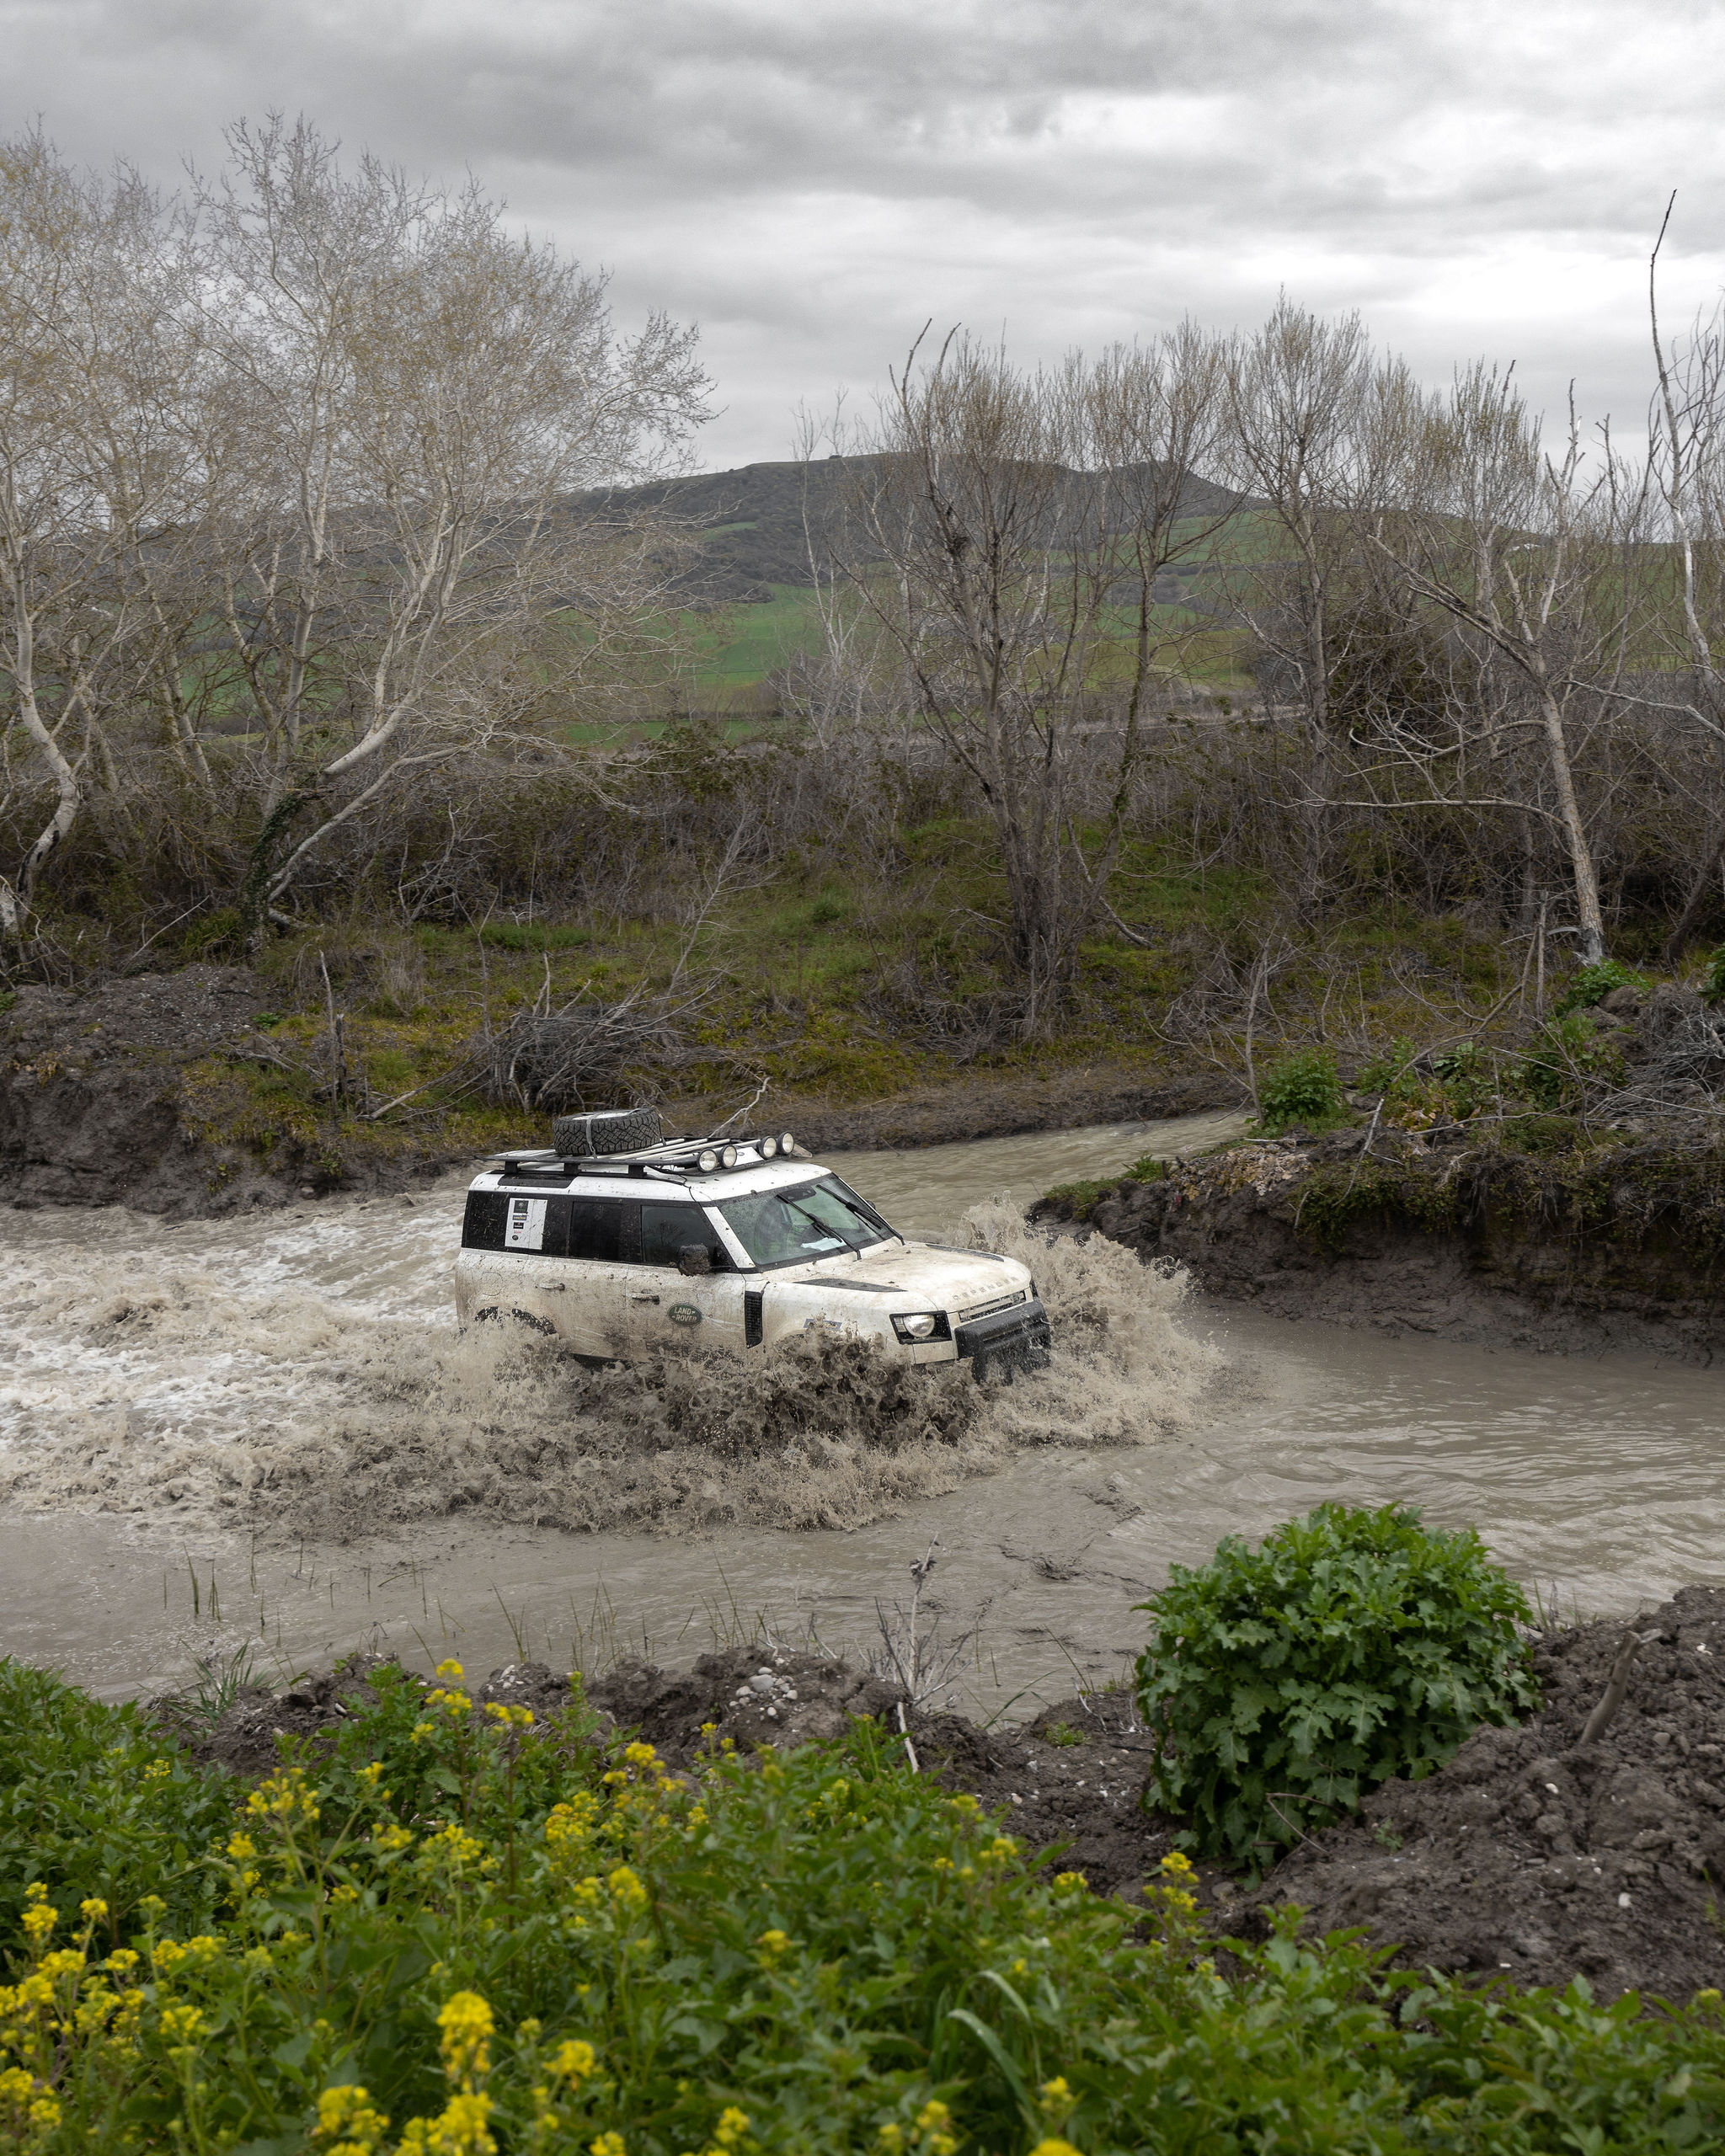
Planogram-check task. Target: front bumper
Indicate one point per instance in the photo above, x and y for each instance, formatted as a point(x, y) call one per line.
point(1008, 1342)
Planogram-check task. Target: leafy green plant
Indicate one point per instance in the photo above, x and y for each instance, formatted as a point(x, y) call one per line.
point(1566, 1056)
point(1592, 984)
point(1392, 1074)
point(1302, 1090)
point(1713, 980)
point(1064, 1735)
point(1284, 1683)
point(1465, 1076)
point(532, 936)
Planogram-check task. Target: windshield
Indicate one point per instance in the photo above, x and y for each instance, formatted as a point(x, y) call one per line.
point(813, 1220)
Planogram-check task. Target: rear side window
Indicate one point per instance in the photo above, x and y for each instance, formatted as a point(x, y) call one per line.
point(597, 1229)
point(482, 1226)
point(668, 1230)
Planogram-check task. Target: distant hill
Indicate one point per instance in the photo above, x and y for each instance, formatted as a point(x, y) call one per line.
point(757, 522)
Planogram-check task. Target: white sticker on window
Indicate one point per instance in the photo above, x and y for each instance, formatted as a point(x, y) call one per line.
point(526, 1225)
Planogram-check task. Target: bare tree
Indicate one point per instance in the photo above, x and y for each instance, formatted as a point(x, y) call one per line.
point(84, 467)
point(1530, 555)
point(1000, 513)
point(1687, 441)
point(418, 394)
point(1316, 423)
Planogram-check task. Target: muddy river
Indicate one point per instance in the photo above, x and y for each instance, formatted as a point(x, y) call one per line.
point(1598, 1482)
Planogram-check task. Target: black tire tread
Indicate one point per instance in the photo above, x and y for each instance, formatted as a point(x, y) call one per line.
point(607, 1130)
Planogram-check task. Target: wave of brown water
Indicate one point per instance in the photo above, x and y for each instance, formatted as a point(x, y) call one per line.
point(1598, 1481)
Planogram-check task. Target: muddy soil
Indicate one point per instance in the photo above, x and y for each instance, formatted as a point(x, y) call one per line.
point(97, 1107)
point(1459, 1237)
point(1532, 1855)
point(1537, 1856)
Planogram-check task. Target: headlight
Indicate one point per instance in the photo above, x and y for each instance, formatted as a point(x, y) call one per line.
point(709, 1161)
point(730, 1156)
point(769, 1147)
point(923, 1327)
point(787, 1144)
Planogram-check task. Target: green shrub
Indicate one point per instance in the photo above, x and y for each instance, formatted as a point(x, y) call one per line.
point(1284, 1683)
point(1713, 980)
point(215, 934)
point(1301, 1090)
point(1594, 984)
point(532, 936)
point(1567, 1056)
point(1392, 1074)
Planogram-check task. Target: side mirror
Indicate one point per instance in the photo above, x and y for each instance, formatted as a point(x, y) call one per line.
point(694, 1259)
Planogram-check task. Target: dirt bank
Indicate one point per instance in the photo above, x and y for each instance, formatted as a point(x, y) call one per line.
point(1532, 1855)
point(1535, 1855)
point(1540, 1234)
point(115, 1095)
point(134, 1091)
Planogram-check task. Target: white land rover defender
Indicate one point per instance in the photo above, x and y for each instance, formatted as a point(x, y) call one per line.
point(615, 1242)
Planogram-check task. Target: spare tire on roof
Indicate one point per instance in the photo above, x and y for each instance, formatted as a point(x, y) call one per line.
point(607, 1131)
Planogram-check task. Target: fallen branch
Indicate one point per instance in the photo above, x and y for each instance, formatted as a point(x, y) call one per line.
point(1617, 1686)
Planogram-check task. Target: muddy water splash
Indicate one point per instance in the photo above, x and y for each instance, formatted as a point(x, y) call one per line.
point(303, 1375)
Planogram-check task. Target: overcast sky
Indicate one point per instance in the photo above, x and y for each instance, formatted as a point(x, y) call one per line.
point(811, 180)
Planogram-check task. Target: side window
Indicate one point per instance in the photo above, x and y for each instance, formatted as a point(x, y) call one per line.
point(595, 1228)
point(667, 1230)
point(482, 1226)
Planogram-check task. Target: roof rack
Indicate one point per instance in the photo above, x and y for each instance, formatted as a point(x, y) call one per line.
point(705, 1156)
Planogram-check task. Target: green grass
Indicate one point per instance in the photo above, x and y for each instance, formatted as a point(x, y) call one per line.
point(756, 641)
point(451, 1934)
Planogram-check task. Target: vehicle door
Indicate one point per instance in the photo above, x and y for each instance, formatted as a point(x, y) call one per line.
point(510, 1242)
point(664, 1302)
point(589, 1280)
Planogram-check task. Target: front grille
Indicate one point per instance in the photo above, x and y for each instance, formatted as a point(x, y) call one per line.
point(988, 1309)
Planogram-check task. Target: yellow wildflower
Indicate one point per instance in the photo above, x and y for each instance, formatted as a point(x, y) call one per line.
point(1054, 2149)
point(451, 1669)
point(574, 2061)
point(93, 1910)
point(461, 2129)
point(346, 2116)
point(282, 1797)
point(182, 2025)
point(626, 1889)
point(509, 1717)
point(733, 2125)
point(608, 2144)
point(1067, 1882)
point(39, 1920)
point(467, 2024)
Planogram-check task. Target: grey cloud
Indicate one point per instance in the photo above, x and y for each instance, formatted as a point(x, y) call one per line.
point(812, 179)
